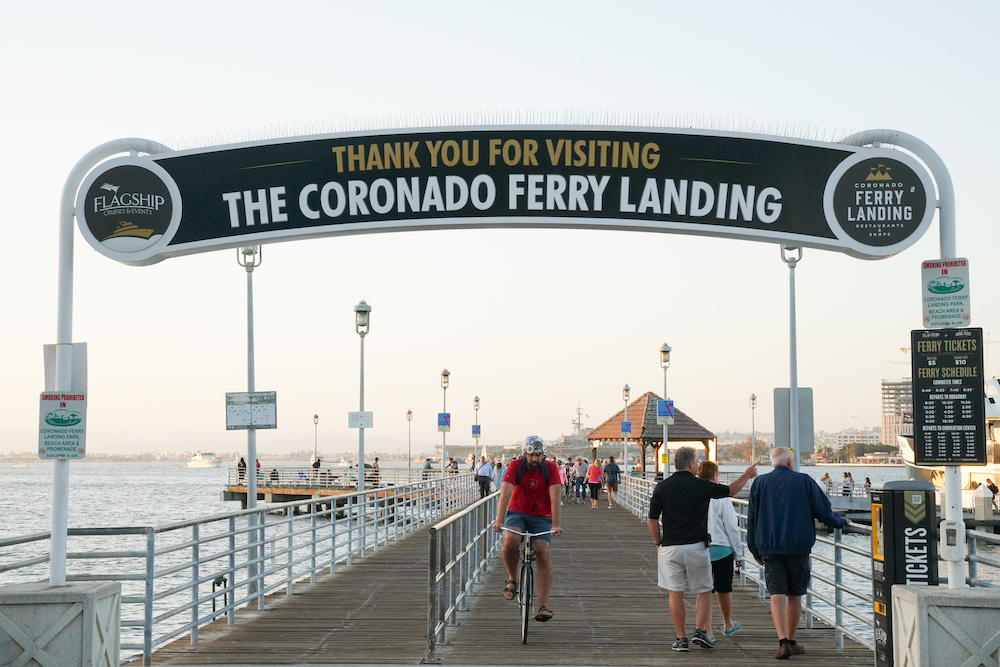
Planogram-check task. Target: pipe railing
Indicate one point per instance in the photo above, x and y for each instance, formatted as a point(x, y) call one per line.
point(180, 576)
point(461, 548)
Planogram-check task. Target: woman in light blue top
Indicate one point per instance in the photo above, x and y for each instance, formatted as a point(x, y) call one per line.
point(725, 551)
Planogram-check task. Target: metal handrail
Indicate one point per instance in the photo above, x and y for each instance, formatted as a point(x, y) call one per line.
point(168, 572)
point(461, 548)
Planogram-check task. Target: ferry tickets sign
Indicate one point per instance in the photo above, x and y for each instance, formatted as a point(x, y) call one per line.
point(949, 422)
point(62, 426)
point(867, 202)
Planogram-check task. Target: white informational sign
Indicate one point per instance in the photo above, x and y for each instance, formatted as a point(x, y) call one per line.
point(665, 413)
point(62, 426)
point(945, 293)
point(251, 410)
point(360, 419)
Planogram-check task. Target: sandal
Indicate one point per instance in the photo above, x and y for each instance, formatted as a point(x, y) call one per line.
point(509, 590)
point(544, 614)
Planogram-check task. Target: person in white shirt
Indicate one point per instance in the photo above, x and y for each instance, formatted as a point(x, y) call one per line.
point(725, 551)
point(484, 475)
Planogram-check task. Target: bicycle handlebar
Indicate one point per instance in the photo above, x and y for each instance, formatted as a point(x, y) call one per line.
point(517, 532)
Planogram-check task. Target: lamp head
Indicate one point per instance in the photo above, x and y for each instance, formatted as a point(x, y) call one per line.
point(625, 392)
point(665, 355)
point(409, 415)
point(475, 403)
point(753, 401)
point(444, 378)
point(315, 419)
point(362, 311)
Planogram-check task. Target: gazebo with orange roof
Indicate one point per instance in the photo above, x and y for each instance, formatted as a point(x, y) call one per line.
point(647, 433)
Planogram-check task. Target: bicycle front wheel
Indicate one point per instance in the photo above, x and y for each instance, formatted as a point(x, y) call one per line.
point(526, 585)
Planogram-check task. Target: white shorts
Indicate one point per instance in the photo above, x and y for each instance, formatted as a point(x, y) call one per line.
point(681, 566)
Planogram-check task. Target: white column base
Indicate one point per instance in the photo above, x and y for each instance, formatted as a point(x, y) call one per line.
point(77, 625)
point(934, 626)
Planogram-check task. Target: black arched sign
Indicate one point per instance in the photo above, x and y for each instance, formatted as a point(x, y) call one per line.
point(867, 202)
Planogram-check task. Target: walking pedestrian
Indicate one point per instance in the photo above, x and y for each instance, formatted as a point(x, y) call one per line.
point(725, 551)
point(497, 474)
point(580, 478)
point(484, 475)
point(681, 503)
point(611, 475)
point(848, 486)
point(594, 473)
point(780, 534)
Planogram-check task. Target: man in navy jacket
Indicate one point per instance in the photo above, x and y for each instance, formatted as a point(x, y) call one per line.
point(780, 534)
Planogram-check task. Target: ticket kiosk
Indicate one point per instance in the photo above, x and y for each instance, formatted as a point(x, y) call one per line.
point(904, 550)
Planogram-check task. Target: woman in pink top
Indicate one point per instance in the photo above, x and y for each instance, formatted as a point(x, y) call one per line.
point(594, 473)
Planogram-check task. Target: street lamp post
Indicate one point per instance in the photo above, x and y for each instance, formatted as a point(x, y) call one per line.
point(444, 409)
point(315, 438)
point(249, 257)
point(362, 311)
point(665, 364)
point(475, 406)
point(625, 393)
point(753, 427)
point(409, 446)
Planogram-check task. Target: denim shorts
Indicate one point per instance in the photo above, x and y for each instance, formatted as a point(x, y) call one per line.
point(529, 523)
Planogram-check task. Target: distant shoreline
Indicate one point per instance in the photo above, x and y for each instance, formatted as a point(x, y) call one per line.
point(859, 465)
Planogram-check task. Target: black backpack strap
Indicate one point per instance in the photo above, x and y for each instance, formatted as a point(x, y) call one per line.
point(523, 465)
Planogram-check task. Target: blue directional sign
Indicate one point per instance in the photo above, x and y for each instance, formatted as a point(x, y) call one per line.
point(626, 428)
point(476, 431)
point(444, 422)
point(665, 412)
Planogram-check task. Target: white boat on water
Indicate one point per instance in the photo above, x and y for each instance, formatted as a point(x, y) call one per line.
point(971, 474)
point(205, 460)
point(20, 463)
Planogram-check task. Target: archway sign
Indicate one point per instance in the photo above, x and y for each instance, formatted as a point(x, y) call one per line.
point(867, 202)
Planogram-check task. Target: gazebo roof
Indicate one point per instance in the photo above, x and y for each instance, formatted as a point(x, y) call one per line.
point(642, 414)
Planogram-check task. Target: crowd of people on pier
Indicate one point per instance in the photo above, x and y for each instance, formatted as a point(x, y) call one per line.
point(693, 526)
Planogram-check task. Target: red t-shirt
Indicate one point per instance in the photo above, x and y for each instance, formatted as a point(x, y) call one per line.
point(531, 496)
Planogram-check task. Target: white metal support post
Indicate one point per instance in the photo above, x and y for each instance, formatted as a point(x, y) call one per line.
point(793, 398)
point(625, 393)
point(250, 257)
point(664, 364)
point(64, 329)
point(948, 250)
point(445, 375)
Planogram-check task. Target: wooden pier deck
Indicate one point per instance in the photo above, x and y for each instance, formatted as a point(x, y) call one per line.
point(608, 611)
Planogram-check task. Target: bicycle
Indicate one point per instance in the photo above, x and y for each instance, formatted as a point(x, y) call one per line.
point(526, 579)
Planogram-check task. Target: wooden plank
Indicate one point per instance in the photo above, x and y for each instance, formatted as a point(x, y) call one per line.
point(608, 609)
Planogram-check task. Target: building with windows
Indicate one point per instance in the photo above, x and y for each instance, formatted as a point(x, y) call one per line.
point(867, 437)
point(897, 410)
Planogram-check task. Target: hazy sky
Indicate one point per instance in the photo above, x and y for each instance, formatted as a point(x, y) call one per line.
point(534, 322)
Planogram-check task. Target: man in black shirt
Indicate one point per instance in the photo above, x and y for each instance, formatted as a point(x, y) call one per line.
point(682, 501)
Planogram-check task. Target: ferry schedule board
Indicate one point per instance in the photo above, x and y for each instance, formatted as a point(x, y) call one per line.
point(949, 424)
point(251, 410)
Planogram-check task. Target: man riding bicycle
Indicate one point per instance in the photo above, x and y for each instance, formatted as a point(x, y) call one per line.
point(533, 497)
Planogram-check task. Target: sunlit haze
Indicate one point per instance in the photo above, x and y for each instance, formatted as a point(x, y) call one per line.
point(534, 322)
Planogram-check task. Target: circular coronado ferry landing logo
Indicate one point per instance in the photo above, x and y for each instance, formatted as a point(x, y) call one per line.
point(127, 208)
point(879, 200)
